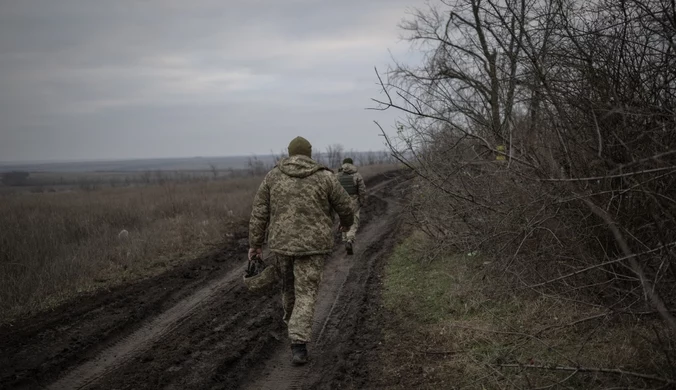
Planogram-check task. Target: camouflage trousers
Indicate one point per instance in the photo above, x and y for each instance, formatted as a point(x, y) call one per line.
point(300, 276)
point(351, 234)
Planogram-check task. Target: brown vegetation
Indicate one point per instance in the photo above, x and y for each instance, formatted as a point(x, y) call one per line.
point(57, 244)
point(14, 178)
point(545, 138)
point(457, 330)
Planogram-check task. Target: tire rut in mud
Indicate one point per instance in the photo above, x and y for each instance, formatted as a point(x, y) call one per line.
point(342, 307)
point(35, 350)
point(150, 336)
point(220, 344)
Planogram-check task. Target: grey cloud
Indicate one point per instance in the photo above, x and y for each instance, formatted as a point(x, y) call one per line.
point(88, 79)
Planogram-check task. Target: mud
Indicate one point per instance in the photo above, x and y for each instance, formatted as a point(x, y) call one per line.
point(197, 327)
point(37, 349)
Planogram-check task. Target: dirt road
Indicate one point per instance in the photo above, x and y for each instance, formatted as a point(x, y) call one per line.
point(198, 327)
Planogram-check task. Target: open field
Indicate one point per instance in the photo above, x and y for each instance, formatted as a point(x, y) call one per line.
point(195, 326)
point(138, 165)
point(59, 244)
point(519, 228)
point(55, 245)
point(91, 175)
point(389, 317)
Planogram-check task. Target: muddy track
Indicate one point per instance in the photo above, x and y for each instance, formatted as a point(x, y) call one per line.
point(342, 304)
point(198, 327)
point(36, 350)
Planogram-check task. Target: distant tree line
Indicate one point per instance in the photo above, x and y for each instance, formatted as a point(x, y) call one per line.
point(331, 157)
point(15, 178)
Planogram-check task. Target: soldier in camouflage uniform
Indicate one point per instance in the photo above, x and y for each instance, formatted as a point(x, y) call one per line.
point(354, 185)
point(295, 202)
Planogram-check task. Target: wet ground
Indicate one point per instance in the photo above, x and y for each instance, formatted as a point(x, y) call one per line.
point(197, 327)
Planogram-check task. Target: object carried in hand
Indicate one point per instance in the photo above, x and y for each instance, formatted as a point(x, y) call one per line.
point(259, 276)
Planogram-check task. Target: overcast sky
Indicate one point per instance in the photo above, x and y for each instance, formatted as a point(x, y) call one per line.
point(95, 79)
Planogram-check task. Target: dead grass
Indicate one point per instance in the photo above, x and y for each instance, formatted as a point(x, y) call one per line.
point(373, 170)
point(55, 245)
point(449, 327)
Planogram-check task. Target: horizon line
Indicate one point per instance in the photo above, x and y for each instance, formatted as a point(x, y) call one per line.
point(108, 160)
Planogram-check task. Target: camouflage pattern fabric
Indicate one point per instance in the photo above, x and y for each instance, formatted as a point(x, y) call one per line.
point(358, 181)
point(358, 200)
point(294, 203)
point(351, 234)
point(262, 281)
point(300, 283)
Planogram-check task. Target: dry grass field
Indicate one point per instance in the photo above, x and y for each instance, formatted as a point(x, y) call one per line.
point(54, 245)
point(58, 244)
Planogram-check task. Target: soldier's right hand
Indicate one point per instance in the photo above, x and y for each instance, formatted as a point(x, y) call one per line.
point(255, 251)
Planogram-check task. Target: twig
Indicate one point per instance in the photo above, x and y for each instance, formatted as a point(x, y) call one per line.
point(495, 371)
point(651, 158)
point(600, 265)
point(493, 331)
point(615, 371)
point(559, 382)
point(612, 176)
point(574, 322)
point(427, 178)
point(654, 297)
point(444, 352)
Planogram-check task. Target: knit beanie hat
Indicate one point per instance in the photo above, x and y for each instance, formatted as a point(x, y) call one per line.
point(300, 145)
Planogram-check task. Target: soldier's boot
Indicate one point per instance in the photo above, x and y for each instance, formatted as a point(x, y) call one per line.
point(299, 352)
point(348, 247)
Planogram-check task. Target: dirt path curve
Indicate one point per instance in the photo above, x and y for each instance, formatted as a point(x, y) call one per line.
point(342, 293)
point(36, 350)
point(147, 335)
point(198, 327)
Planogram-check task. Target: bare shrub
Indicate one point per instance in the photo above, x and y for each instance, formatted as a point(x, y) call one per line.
point(334, 155)
point(544, 136)
point(282, 154)
point(256, 166)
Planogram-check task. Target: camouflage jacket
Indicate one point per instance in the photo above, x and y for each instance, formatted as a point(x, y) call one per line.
point(295, 202)
point(358, 181)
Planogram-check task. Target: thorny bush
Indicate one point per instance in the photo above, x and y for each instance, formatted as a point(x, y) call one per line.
point(544, 135)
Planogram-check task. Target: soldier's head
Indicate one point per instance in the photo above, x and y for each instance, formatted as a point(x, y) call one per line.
point(347, 161)
point(300, 146)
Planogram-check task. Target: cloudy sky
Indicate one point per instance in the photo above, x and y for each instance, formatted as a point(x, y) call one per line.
point(95, 79)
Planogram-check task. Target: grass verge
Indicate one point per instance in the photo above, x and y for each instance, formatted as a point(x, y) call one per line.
point(448, 326)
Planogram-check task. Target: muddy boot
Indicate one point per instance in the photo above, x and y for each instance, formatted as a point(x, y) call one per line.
point(348, 247)
point(299, 354)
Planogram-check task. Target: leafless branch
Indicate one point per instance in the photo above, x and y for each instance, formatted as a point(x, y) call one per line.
point(615, 371)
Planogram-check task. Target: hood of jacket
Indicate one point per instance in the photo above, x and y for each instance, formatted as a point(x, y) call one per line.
point(299, 166)
point(348, 168)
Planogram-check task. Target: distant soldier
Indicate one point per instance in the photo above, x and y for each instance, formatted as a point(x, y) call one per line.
point(295, 201)
point(354, 185)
